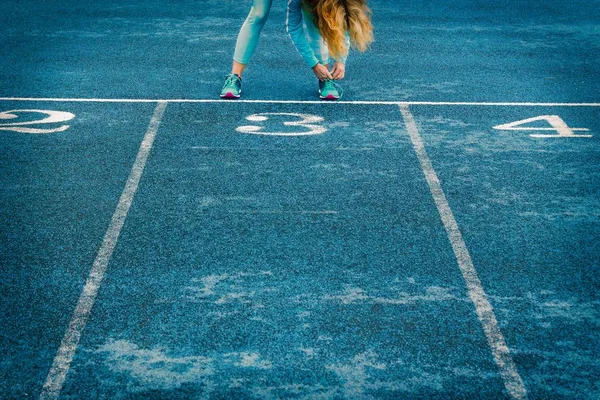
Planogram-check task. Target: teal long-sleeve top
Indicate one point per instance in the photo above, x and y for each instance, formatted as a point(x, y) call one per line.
point(295, 28)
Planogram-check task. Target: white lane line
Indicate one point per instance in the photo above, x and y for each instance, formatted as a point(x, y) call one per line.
point(66, 351)
point(357, 102)
point(512, 380)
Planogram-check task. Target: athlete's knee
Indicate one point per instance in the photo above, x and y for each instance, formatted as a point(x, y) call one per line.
point(259, 15)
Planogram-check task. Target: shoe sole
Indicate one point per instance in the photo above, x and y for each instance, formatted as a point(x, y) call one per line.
point(329, 97)
point(230, 95)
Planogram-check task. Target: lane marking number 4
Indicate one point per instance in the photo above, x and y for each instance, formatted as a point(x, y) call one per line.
point(556, 124)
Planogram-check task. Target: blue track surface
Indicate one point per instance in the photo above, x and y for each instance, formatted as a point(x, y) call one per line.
point(302, 266)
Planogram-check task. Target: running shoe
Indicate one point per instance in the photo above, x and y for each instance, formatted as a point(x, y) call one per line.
point(232, 89)
point(328, 90)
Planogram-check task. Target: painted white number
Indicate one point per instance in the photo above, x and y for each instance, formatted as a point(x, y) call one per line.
point(556, 123)
point(52, 117)
point(307, 121)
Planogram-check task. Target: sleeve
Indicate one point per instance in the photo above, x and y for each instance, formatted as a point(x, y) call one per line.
point(295, 29)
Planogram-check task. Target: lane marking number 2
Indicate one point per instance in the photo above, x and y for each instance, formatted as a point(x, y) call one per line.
point(51, 117)
point(557, 124)
point(307, 121)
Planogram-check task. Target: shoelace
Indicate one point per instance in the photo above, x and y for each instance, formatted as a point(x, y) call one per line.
point(329, 83)
point(232, 80)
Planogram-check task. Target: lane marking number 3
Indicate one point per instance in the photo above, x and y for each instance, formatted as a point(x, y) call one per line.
point(51, 117)
point(306, 121)
point(556, 124)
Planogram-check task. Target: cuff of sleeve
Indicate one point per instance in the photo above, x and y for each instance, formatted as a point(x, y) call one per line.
point(312, 62)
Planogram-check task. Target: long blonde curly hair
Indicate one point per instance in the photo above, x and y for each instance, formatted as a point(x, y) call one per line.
point(334, 18)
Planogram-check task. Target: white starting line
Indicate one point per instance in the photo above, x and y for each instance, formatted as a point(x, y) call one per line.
point(357, 102)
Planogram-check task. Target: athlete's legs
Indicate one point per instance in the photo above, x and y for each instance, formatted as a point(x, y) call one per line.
point(249, 34)
point(315, 39)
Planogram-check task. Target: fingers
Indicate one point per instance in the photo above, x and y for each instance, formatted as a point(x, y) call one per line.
point(326, 74)
point(322, 76)
point(322, 72)
point(335, 72)
point(338, 71)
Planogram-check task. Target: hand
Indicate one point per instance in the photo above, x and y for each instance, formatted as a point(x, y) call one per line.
point(322, 72)
point(338, 71)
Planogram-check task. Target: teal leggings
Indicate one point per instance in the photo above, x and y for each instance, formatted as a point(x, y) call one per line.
point(250, 33)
